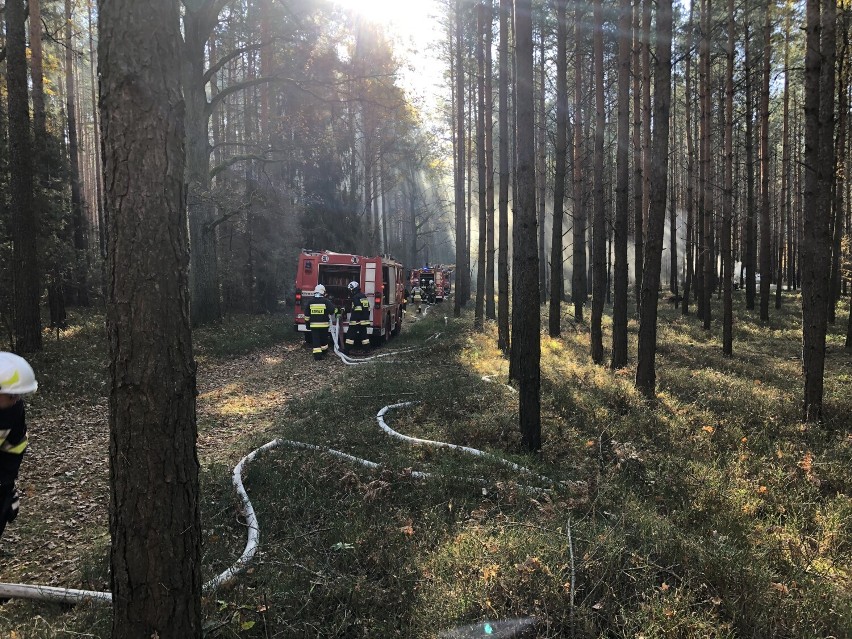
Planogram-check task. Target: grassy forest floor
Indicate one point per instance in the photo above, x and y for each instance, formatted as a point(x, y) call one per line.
point(714, 513)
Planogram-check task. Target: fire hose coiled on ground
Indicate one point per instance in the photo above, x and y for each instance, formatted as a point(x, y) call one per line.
point(225, 578)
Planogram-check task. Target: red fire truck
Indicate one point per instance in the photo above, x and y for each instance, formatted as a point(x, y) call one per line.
point(433, 282)
point(381, 280)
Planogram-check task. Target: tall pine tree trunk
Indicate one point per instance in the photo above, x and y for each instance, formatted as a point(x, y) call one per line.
point(728, 193)
point(471, 112)
point(80, 285)
point(673, 182)
point(25, 267)
point(646, 370)
point(99, 185)
point(750, 262)
point(690, 168)
point(599, 220)
point(645, 59)
point(461, 229)
point(479, 313)
point(55, 292)
point(638, 179)
point(526, 318)
point(841, 177)
point(155, 524)
point(706, 205)
point(490, 310)
point(765, 229)
point(622, 201)
point(786, 191)
point(561, 161)
point(579, 283)
point(503, 197)
point(541, 161)
point(816, 235)
point(198, 21)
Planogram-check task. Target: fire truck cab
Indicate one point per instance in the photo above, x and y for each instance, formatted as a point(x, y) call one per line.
point(380, 278)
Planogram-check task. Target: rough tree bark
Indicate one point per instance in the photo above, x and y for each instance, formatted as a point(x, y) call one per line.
point(816, 236)
point(557, 283)
point(750, 262)
point(838, 219)
point(25, 267)
point(154, 514)
point(690, 168)
point(503, 197)
point(599, 221)
point(786, 191)
point(707, 164)
point(526, 318)
point(638, 179)
point(728, 193)
point(645, 61)
point(541, 156)
point(579, 283)
point(622, 202)
point(765, 230)
point(646, 371)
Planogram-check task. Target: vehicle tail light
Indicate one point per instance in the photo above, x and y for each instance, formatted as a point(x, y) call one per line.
point(298, 295)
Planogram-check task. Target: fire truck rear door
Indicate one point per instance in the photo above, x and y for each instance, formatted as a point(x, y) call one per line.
point(370, 279)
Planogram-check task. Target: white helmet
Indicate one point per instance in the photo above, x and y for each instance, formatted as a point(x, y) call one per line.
point(16, 375)
point(353, 286)
point(319, 291)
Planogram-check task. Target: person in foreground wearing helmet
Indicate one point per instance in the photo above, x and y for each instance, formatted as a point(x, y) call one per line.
point(318, 316)
point(16, 379)
point(359, 320)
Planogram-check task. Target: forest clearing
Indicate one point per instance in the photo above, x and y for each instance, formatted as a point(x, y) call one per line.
point(714, 513)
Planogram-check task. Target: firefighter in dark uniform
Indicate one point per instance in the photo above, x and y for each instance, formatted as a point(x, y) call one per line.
point(318, 316)
point(16, 379)
point(359, 320)
point(417, 295)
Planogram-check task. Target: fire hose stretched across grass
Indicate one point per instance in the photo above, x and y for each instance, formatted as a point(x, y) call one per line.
point(357, 361)
point(72, 595)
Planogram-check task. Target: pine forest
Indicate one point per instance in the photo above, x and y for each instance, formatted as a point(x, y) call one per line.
point(438, 318)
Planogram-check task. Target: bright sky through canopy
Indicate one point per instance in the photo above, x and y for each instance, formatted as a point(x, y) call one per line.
point(413, 26)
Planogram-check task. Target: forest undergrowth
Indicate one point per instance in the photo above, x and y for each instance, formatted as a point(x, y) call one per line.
point(714, 512)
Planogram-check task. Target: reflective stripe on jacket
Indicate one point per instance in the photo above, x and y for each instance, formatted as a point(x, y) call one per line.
point(13, 449)
point(360, 310)
point(320, 310)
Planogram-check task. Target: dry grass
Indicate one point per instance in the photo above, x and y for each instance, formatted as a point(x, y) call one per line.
point(712, 513)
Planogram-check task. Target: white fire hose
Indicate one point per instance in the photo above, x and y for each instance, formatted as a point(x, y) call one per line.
point(353, 361)
point(73, 596)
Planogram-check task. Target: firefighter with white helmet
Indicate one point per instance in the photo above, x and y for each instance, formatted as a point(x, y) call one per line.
point(319, 311)
point(16, 379)
point(359, 320)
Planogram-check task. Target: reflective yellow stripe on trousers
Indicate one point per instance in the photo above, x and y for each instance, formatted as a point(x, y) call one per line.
point(14, 449)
